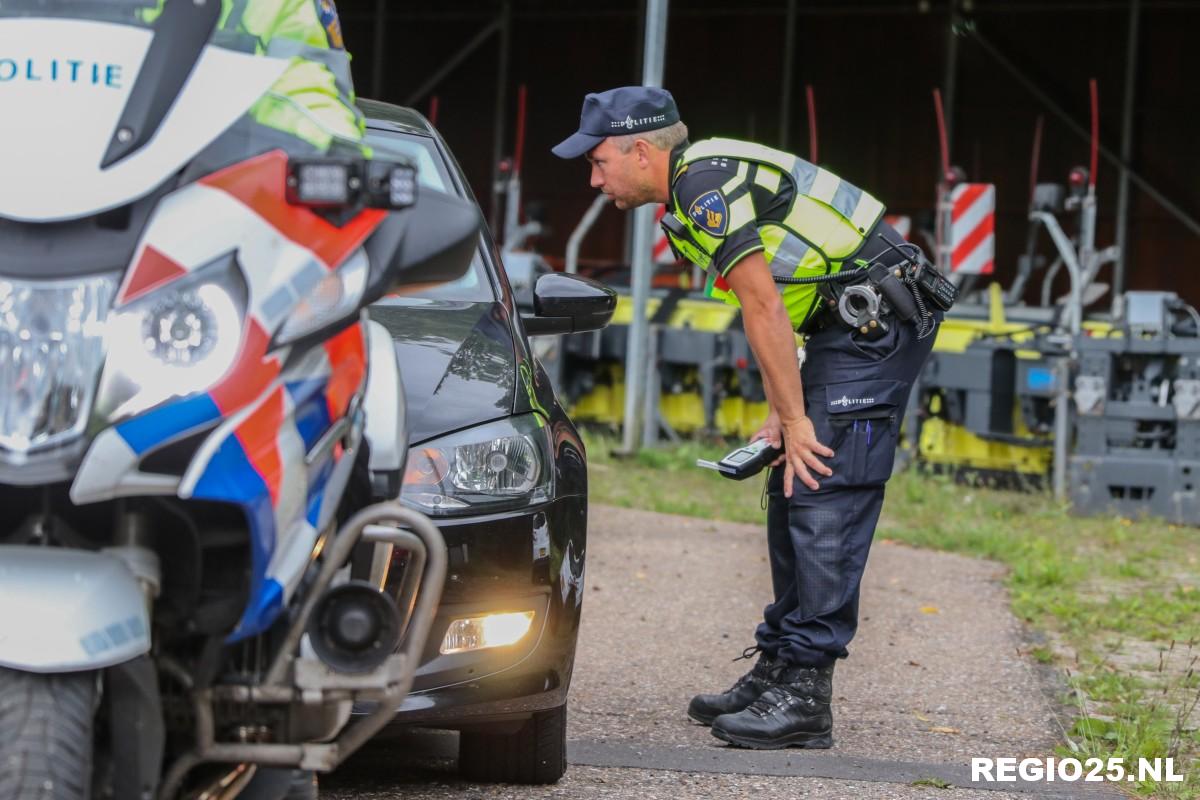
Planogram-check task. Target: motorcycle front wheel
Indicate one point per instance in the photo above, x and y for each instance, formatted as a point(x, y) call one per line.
point(46, 735)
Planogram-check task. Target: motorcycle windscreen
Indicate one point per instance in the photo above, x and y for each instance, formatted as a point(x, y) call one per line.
point(63, 86)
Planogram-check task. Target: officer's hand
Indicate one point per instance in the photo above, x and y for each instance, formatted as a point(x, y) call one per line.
point(802, 450)
point(772, 431)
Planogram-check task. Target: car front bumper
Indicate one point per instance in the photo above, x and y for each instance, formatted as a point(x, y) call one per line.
point(530, 560)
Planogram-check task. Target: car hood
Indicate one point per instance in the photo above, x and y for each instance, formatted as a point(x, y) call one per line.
point(456, 360)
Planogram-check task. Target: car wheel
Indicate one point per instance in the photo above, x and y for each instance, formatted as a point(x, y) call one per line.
point(303, 786)
point(535, 754)
point(282, 783)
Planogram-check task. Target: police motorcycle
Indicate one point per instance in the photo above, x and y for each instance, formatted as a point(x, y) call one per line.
point(198, 424)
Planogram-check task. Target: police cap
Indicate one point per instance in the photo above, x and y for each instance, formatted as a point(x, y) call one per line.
point(618, 112)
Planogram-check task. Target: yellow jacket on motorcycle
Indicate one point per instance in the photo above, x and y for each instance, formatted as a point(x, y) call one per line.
point(314, 98)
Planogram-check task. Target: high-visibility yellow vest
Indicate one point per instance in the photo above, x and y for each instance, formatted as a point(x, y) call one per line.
point(825, 225)
point(314, 98)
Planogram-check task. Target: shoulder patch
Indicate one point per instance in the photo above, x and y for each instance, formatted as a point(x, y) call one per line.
point(327, 11)
point(711, 213)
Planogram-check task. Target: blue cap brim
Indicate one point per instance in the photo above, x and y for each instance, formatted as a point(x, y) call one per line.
point(576, 145)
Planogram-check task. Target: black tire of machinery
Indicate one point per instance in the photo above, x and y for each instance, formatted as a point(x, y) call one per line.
point(536, 754)
point(46, 735)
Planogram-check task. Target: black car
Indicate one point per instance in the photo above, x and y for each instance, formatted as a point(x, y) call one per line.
point(499, 466)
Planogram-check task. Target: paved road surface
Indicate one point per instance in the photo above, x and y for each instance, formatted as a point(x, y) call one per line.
point(936, 676)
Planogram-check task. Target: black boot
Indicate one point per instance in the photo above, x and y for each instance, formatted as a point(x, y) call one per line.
point(704, 708)
point(793, 712)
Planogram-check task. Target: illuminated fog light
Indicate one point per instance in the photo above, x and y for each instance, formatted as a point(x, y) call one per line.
point(491, 630)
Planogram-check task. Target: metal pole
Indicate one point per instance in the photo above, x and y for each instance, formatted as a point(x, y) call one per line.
point(1062, 426)
point(585, 225)
point(501, 100)
point(1074, 326)
point(380, 42)
point(512, 203)
point(1126, 152)
point(944, 204)
point(653, 390)
point(451, 63)
point(789, 64)
point(950, 79)
point(643, 242)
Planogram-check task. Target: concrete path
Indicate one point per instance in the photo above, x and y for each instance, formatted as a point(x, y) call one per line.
point(935, 677)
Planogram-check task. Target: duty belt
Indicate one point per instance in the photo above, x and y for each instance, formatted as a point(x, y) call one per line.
point(863, 299)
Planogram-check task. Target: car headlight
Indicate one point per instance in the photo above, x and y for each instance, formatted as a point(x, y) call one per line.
point(51, 350)
point(501, 465)
point(175, 341)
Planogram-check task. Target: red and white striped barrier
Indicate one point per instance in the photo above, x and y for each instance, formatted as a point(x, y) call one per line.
point(972, 225)
point(902, 225)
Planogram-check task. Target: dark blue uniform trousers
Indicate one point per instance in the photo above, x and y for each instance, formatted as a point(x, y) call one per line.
point(855, 393)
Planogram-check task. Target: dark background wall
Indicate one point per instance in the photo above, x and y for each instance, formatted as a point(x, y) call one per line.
point(872, 66)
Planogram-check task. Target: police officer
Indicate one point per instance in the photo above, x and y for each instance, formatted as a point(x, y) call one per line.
point(793, 245)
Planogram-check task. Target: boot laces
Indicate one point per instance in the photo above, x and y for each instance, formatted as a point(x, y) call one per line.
point(753, 674)
point(774, 700)
point(748, 653)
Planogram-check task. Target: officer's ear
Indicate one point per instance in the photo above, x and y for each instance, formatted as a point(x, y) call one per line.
point(643, 149)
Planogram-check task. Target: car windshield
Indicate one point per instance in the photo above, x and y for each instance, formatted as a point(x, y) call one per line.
point(433, 172)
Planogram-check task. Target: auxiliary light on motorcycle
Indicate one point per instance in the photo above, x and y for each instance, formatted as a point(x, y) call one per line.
point(354, 627)
point(175, 341)
point(329, 183)
point(182, 342)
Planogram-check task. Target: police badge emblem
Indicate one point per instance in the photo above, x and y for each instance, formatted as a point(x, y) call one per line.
point(333, 26)
point(710, 213)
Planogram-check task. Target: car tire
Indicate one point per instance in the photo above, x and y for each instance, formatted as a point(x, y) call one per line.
point(282, 783)
point(535, 754)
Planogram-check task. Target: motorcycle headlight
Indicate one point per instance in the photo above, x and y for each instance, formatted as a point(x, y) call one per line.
point(174, 342)
point(501, 465)
point(51, 350)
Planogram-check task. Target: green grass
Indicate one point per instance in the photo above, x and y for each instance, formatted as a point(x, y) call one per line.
point(668, 480)
point(1118, 599)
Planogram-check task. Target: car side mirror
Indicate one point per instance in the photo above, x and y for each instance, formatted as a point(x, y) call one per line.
point(569, 304)
point(431, 242)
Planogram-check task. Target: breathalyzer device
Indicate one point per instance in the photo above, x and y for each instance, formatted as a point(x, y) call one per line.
point(745, 461)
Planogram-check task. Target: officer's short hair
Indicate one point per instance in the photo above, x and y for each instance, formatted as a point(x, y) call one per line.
point(667, 138)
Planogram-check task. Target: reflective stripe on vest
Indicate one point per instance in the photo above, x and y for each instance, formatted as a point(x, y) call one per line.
point(789, 256)
point(825, 225)
point(855, 208)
